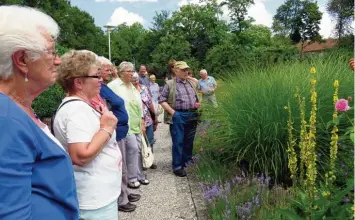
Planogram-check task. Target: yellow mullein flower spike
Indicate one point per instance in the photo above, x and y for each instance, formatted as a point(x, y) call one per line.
point(336, 83)
point(313, 70)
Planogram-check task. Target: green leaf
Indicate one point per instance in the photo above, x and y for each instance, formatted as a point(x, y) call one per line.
point(289, 214)
point(352, 137)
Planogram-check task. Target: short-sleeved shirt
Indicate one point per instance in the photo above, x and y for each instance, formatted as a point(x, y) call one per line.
point(185, 95)
point(154, 89)
point(207, 84)
point(119, 110)
point(144, 80)
point(98, 182)
point(133, 104)
point(147, 101)
point(36, 174)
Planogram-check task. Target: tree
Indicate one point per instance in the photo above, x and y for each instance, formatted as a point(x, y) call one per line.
point(171, 47)
point(238, 11)
point(159, 20)
point(299, 20)
point(284, 21)
point(307, 23)
point(124, 42)
point(199, 25)
point(342, 11)
point(256, 36)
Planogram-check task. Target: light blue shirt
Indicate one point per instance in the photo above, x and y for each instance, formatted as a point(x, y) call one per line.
point(207, 84)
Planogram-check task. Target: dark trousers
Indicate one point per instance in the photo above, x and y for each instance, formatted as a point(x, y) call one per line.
point(182, 133)
point(149, 131)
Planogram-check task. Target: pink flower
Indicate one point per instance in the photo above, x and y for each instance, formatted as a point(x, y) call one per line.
point(197, 105)
point(342, 105)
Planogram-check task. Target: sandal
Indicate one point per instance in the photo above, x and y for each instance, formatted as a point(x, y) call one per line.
point(134, 185)
point(144, 182)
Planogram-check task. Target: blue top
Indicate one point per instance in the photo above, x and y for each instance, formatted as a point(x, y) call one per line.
point(207, 84)
point(36, 175)
point(118, 109)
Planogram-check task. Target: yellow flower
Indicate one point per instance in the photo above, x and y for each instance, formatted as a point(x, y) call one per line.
point(285, 107)
point(314, 81)
point(313, 70)
point(325, 193)
point(336, 83)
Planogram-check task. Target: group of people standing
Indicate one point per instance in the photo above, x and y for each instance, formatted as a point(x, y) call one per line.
point(82, 167)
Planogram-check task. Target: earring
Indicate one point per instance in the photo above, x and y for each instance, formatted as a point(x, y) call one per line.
point(26, 79)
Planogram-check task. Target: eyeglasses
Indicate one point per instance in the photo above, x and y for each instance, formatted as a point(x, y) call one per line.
point(97, 76)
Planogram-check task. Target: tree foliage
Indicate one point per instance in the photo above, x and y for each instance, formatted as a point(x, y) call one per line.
point(342, 12)
point(299, 20)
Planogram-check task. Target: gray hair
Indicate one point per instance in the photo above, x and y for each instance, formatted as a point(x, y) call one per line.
point(103, 60)
point(203, 71)
point(123, 65)
point(23, 28)
point(135, 76)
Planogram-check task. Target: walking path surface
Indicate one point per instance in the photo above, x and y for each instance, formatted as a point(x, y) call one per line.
point(167, 197)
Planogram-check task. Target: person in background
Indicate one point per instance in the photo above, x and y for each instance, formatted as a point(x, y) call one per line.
point(116, 105)
point(207, 85)
point(89, 137)
point(36, 174)
point(180, 100)
point(192, 78)
point(143, 76)
point(114, 72)
point(150, 118)
point(123, 87)
point(154, 89)
point(171, 70)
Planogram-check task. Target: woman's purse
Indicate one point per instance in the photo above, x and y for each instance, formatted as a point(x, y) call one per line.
point(147, 154)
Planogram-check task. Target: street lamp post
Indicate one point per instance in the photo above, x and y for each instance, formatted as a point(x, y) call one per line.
point(109, 28)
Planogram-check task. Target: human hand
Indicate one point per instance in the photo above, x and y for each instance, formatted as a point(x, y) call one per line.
point(108, 120)
point(143, 128)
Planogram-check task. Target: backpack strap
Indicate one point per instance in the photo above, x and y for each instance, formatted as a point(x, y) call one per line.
point(53, 117)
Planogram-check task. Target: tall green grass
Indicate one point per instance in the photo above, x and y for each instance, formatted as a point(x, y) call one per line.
point(251, 116)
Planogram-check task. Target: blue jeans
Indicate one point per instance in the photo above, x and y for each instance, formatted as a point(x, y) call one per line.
point(149, 131)
point(182, 133)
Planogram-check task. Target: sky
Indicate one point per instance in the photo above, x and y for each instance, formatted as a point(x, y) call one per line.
point(115, 12)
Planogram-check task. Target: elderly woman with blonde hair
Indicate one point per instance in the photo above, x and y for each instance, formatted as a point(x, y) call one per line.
point(123, 87)
point(36, 175)
point(88, 135)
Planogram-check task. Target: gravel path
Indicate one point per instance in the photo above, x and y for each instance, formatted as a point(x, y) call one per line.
point(167, 197)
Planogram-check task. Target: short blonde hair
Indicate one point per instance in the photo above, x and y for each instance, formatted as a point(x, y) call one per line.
point(75, 63)
point(152, 76)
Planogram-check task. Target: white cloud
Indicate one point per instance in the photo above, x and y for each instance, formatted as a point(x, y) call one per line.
point(121, 15)
point(126, 0)
point(326, 24)
point(260, 14)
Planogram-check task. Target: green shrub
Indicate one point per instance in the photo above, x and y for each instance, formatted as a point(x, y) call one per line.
point(47, 103)
point(161, 82)
point(251, 116)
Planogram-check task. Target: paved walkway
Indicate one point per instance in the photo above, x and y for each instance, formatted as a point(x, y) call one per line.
point(167, 197)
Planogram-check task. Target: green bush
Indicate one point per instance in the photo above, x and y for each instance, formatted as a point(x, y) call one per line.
point(47, 103)
point(161, 82)
point(251, 116)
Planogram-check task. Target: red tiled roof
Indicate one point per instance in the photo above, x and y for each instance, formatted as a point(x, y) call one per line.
point(318, 47)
